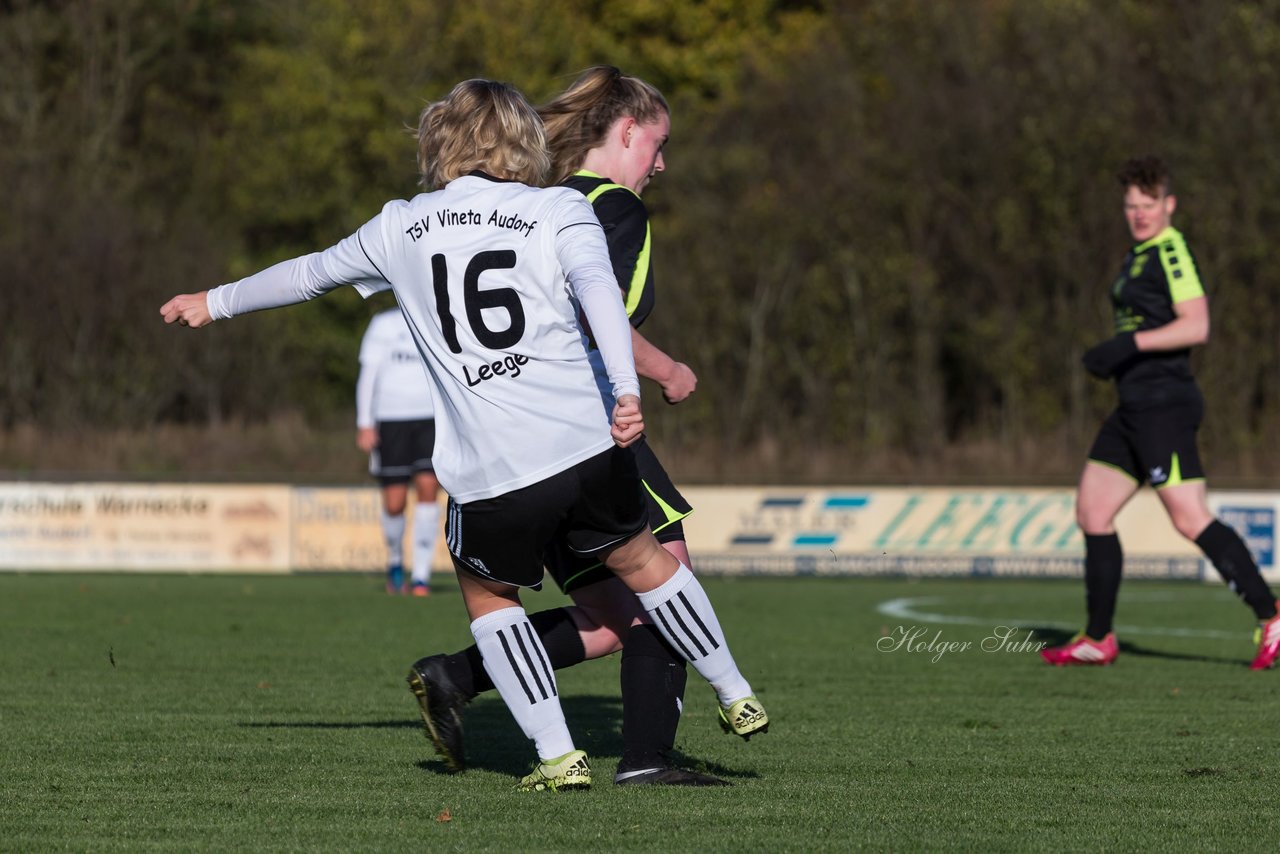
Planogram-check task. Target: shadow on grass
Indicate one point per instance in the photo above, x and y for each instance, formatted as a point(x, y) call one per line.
point(1057, 637)
point(1130, 648)
point(494, 742)
point(333, 725)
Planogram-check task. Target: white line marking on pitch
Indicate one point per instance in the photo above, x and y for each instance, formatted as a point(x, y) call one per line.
point(907, 608)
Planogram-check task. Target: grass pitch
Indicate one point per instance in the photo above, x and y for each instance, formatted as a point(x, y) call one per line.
point(271, 713)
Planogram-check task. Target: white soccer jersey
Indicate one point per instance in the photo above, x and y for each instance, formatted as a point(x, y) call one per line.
point(393, 383)
point(491, 275)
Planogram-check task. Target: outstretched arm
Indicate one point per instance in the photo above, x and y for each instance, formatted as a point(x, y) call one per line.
point(293, 281)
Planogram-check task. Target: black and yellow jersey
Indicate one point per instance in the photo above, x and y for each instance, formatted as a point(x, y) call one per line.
point(626, 230)
point(1156, 276)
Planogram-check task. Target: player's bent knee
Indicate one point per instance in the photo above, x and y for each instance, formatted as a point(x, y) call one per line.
point(610, 620)
point(1095, 522)
point(1094, 525)
point(600, 629)
point(633, 555)
point(600, 642)
point(1191, 526)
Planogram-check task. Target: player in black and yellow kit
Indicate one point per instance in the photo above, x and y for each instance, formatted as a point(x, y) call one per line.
point(1160, 313)
point(606, 134)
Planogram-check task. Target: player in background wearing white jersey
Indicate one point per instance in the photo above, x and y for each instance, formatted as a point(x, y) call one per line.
point(394, 426)
point(491, 274)
point(606, 133)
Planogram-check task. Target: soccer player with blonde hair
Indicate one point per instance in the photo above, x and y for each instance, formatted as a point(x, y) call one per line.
point(606, 133)
point(492, 273)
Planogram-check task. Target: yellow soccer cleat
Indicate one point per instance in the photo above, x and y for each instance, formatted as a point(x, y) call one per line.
point(570, 771)
point(744, 718)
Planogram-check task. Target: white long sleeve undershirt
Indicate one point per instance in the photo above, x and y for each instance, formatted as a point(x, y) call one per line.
point(588, 270)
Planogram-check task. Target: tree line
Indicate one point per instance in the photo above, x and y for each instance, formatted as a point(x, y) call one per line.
point(883, 241)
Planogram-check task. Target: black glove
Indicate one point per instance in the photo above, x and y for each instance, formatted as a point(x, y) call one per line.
point(1103, 359)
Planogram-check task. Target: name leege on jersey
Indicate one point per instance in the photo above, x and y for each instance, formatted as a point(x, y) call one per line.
point(508, 365)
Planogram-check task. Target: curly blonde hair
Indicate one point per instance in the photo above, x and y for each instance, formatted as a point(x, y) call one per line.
point(482, 125)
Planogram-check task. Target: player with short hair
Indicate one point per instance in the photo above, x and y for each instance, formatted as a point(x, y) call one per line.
point(605, 124)
point(1161, 312)
point(491, 274)
point(395, 427)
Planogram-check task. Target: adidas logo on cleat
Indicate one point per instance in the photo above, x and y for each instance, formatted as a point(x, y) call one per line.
point(744, 718)
point(570, 771)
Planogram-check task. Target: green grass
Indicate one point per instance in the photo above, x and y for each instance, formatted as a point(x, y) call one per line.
point(177, 712)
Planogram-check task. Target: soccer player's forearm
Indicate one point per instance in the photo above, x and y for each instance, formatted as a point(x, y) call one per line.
point(608, 319)
point(289, 282)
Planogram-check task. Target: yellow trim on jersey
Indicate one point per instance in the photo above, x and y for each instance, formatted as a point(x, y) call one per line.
point(640, 274)
point(1179, 268)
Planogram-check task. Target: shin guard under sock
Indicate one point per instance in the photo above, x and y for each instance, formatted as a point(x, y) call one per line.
point(1103, 563)
point(653, 682)
point(683, 614)
point(559, 636)
point(517, 664)
point(1230, 556)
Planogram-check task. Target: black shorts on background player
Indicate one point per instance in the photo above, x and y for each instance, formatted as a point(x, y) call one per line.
point(589, 507)
point(1157, 442)
point(664, 506)
point(404, 449)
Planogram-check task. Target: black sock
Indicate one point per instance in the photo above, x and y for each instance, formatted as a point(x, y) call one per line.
point(1230, 556)
point(559, 636)
point(1103, 563)
point(653, 680)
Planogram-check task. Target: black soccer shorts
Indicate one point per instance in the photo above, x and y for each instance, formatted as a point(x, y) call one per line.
point(404, 449)
point(591, 506)
point(1154, 443)
point(665, 507)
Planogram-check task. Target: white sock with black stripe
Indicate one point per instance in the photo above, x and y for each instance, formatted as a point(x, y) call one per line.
point(393, 535)
point(517, 663)
point(426, 519)
point(683, 613)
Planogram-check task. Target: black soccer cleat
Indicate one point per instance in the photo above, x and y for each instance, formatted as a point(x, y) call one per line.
point(440, 703)
point(666, 775)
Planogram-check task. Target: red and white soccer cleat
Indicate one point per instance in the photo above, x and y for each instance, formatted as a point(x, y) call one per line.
point(1268, 637)
point(1083, 649)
